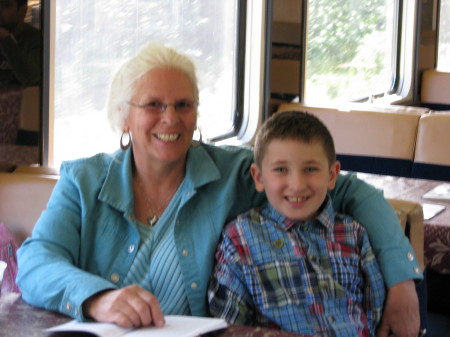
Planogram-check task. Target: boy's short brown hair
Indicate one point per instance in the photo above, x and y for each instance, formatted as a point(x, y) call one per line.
point(295, 125)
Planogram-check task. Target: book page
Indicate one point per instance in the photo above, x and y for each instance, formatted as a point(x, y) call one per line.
point(181, 326)
point(176, 326)
point(97, 329)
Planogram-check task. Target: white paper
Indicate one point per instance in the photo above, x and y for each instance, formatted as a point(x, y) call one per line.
point(176, 326)
point(431, 210)
point(440, 192)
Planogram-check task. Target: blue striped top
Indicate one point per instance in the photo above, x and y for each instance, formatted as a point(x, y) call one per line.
point(156, 267)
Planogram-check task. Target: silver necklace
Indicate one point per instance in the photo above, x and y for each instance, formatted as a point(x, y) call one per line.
point(154, 216)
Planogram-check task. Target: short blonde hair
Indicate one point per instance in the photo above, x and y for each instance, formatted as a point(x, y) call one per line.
point(152, 56)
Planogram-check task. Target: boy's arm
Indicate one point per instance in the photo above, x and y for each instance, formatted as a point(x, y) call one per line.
point(227, 294)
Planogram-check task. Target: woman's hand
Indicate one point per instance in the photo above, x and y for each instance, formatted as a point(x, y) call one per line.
point(401, 316)
point(129, 307)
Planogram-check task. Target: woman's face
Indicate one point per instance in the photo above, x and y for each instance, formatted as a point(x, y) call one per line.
point(162, 135)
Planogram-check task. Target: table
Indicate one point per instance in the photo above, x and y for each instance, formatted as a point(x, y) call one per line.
point(23, 320)
point(436, 230)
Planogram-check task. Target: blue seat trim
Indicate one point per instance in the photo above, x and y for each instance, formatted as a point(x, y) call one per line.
point(376, 165)
point(431, 171)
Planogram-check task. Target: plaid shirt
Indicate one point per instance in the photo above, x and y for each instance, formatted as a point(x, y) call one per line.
point(318, 277)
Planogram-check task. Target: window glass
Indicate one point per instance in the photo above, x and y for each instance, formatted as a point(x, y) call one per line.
point(443, 63)
point(94, 37)
point(350, 52)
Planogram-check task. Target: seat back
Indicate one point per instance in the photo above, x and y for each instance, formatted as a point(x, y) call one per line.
point(380, 140)
point(432, 153)
point(23, 197)
point(410, 215)
point(435, 90)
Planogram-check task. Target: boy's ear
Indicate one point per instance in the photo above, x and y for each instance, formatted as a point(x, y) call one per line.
point(335, 168)
point(255, 171)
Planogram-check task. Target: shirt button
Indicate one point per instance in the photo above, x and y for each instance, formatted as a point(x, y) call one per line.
point(185, 252)
point(68, 306)
point(331, 318)
point(115, 277)
point(410, 256)
point(194, 285)
point(130, 249)
point(417, 270)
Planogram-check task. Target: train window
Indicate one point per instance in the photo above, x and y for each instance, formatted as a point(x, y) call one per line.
point(351, 51)
point(443, 61)
point(93, 37)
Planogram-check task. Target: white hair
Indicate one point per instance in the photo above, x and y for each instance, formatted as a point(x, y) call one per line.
point(152, 56)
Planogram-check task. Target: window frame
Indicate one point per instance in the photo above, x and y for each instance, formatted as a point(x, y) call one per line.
point(48, 138)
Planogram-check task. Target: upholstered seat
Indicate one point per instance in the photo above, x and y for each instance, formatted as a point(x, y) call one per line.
point(432, 153)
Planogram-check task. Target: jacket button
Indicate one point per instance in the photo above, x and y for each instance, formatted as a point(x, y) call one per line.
point(115, 277)
point(185, 252)
point(130, 249)
point(416, 270)
point(193, 285)
point(410, 256)
point(68, 306)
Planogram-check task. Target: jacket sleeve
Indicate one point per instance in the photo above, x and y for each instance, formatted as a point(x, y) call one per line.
point(48, 274)
point(368, 206)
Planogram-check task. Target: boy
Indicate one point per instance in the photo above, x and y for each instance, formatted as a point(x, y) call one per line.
point(294, 263)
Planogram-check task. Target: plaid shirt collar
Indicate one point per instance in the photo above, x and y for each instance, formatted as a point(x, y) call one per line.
point(325, 217)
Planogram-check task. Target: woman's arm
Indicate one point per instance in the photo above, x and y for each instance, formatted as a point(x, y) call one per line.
point(394, 254)
point(48, 274)
point(367, 205)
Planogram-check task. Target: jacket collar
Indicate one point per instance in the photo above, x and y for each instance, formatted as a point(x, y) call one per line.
point(117, 187)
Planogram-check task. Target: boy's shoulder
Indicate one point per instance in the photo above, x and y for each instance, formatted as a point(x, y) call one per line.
point(349, 224)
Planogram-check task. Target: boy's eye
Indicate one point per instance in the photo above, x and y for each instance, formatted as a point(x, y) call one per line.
point(311, 169)
point(280, 169)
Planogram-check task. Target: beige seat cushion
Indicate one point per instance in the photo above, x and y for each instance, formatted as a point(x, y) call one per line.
point(433, 139)
point(23, 197)
point(380, 132)
point(435, 87)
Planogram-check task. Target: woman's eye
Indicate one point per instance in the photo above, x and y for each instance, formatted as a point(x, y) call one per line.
point(153, 104)
point(280, 169)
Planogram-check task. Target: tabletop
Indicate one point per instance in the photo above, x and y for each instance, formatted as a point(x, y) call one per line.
point(19, 319)
point(436, 229)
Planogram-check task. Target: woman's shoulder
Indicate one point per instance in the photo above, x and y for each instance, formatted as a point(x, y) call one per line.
point(225, 152)
point(94, 166)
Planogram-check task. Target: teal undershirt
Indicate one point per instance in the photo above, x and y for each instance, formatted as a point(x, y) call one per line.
point(156, 267)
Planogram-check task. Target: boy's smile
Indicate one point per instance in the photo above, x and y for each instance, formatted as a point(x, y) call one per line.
point(295, 177)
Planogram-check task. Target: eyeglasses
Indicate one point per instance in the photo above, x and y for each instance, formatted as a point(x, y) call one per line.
point(182, 106)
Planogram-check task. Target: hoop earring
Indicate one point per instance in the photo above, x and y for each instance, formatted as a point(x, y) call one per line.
point(199, 141)
point(122, 145)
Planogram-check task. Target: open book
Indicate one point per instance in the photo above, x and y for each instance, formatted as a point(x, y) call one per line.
point(176, 326)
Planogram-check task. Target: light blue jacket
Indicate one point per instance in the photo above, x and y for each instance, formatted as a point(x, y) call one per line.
point(86, 239)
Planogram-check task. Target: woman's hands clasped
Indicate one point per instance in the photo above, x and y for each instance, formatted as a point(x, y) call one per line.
point(129, 307)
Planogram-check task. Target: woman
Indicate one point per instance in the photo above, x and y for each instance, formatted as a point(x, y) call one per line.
point(130, 236)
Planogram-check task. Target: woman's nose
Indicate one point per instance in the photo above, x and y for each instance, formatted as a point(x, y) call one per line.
point(169, 115)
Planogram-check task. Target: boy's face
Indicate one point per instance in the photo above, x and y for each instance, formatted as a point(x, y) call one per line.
point(295, 177)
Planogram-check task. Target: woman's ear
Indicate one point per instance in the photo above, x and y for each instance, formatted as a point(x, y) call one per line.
point(255, 171)
point(335, 168)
